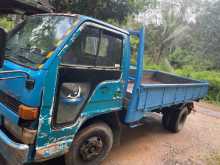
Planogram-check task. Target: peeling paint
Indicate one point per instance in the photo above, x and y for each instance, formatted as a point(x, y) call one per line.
point(52, 150)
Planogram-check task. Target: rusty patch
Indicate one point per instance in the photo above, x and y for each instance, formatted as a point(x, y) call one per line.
point(51, 151)
point(25, 135)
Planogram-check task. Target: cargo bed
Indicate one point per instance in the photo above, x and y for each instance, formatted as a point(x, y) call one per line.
point(159, 89)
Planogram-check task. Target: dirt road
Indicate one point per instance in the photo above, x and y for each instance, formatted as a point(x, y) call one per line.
point(152, 145)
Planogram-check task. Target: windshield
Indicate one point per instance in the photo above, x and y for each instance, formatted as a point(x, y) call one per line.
point(34, 40)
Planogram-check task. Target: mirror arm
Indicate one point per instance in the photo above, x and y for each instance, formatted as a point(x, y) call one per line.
point(27, 76)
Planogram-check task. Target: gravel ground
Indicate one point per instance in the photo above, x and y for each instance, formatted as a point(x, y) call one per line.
point(152, 145)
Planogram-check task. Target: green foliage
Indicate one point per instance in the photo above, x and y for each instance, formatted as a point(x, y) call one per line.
point(186, 43)
point(212, 77)
point(134, 48)
point(6, 23)
point(180, 58)
point(183, 58)
point(163, 66)
point(190, 49)
point(103, 9)
point(207, 30)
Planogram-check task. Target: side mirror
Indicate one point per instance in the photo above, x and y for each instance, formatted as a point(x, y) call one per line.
point(3, 36)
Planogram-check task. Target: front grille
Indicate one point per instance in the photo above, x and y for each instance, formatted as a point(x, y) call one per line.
point(9, 101)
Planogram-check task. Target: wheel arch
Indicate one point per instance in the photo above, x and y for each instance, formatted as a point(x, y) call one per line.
point(112, 119)
point(189, 105)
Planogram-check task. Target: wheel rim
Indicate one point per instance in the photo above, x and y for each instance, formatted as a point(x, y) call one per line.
point(91, 148)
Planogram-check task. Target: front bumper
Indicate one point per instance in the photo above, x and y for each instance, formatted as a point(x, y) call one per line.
point(14, 153)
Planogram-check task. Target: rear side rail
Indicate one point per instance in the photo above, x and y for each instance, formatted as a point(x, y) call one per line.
point(158, 96)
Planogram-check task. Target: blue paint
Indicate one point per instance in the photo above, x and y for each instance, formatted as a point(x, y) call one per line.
point(18, 91)
point(157, 96)
point(132, 114)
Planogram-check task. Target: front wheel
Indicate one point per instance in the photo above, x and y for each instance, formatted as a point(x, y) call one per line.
point(91, 145)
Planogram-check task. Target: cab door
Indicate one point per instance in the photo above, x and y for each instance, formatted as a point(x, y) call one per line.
point(89, 82)
point(93, 60)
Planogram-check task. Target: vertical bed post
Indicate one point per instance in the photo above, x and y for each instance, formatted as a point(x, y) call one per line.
point(132, 114)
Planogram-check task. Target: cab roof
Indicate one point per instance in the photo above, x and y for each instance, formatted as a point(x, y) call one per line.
point(84, 18)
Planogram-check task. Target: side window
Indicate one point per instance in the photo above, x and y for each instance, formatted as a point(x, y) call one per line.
point(95, 47)
point(103, 49)
point(84, 48)
point(110, 50)
point(91, 46)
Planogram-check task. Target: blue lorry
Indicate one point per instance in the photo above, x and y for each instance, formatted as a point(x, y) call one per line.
point(67, 86)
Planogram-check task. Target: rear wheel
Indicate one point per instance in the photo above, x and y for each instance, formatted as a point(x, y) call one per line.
point(166, 120)
point(174, 120)
point(91, 146)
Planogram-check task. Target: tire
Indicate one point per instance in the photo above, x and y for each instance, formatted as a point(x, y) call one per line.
point(91, 146)
point(166, 120)
point(174, 120)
